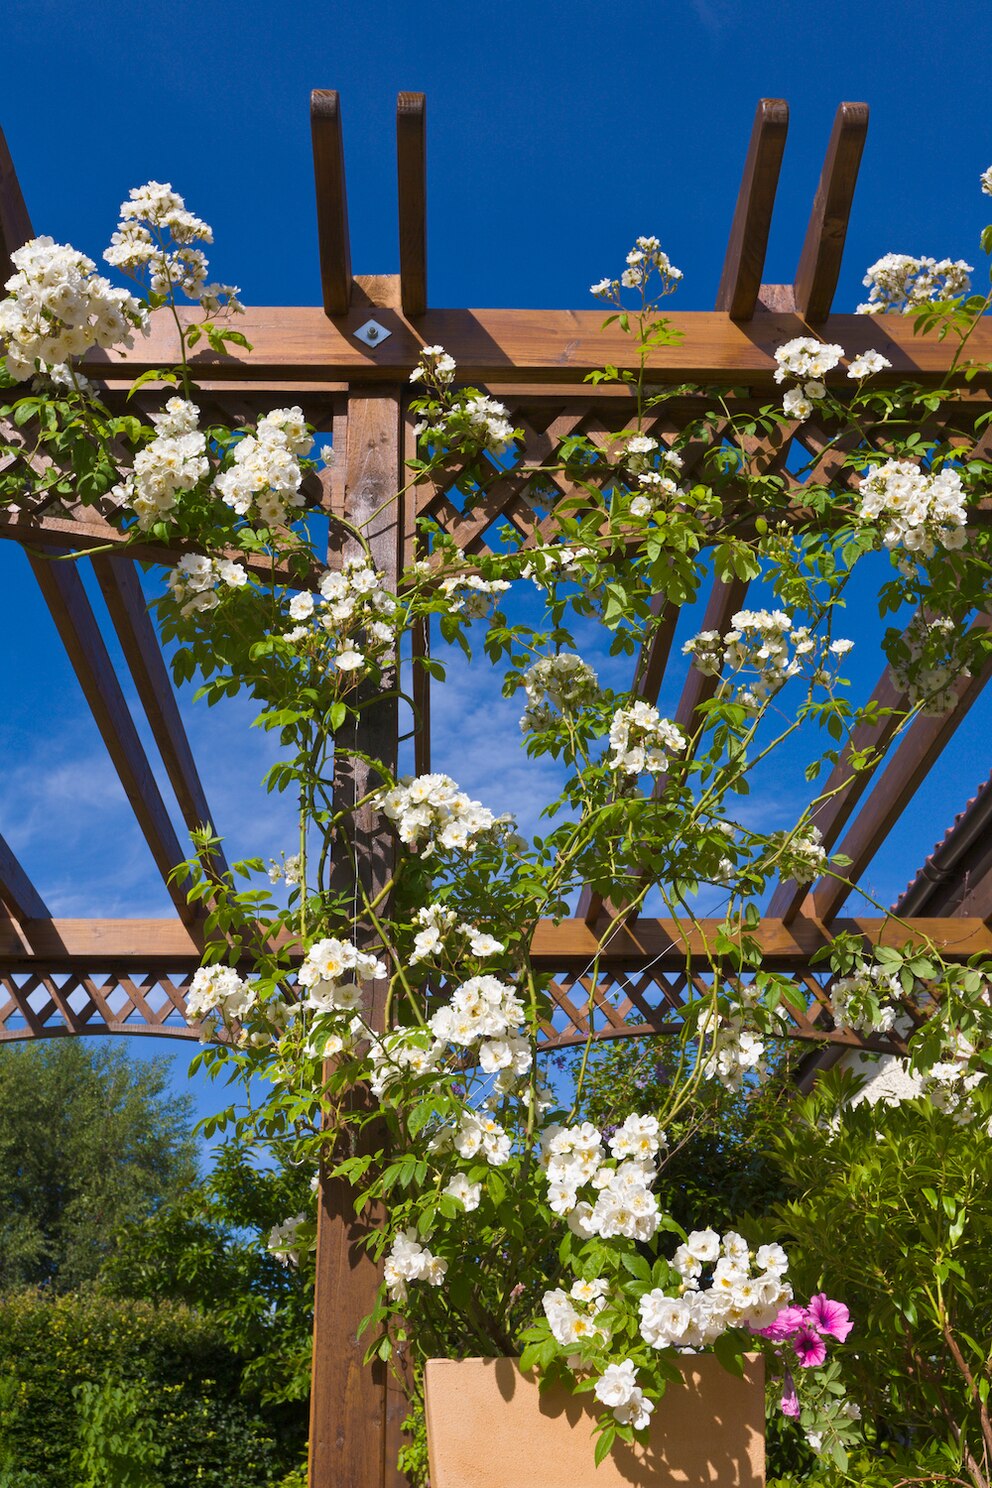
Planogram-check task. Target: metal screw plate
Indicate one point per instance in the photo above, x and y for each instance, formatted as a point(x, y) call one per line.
point(372, 333)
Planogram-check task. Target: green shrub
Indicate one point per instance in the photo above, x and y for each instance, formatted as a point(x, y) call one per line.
point(159, 1375)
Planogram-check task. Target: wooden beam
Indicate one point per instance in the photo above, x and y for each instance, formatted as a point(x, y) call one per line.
point(351, 1438)
point(823, 249)
point(76, 624)
point(332, 201)
point(904, 773)
point(142, 945)
point(411, 162)
point(957, 876)
point(15, 224)
point(17, 891)
point(295, 343)
point(845, 787)
point(745, 260)
point(122, 592)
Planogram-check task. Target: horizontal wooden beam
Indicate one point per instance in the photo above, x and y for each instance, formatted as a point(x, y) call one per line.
point(523, 346)
point(571, 945)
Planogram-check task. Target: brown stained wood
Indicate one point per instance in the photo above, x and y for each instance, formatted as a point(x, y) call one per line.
point(333, 241)
point(138, 946)
point(745, 260)
point(128, 610)
point(76, 624)
point(297, 343)
point(352, 1414)
point(411, 165)
point(15, 224)
point(903, 774)
point(17, 891)
point(667, 943)
point(823, 249)
point(844, 787)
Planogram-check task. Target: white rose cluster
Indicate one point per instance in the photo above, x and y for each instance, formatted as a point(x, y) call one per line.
point(410, 1260)
point(556, 685)
point(438, 925)
point(219, 989)
point(58, 307)
point(642, 741)
point(331, 972)
point(985, 180)
point(769, 643)
point(807, 361)
point(743, 1291)
point(479, 1134)
point(263, 480)
point(801, 855)
point(432, 810)
point(574, 1159)
point(927, 673)
point(865, 1000)
point(173, 462)
point(572, 1315)
point(900, 282)
point(866, 364)
point(394, 1055)
point(283, 1241)
point(655, 490)
point(473, 416)
point(352, 610)
point(645, 256)
point(642, 454)
point(919, 510)
point(487, 1012)
point(194, 580)
point(471, 595)
point(157, 234)
point(733, 1051)
point(617, 1388)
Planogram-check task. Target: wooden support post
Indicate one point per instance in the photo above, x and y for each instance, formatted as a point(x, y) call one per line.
point(354, 1412)
point(823, 249)
point(740, 283)
point(332, 201)
point(411, 161)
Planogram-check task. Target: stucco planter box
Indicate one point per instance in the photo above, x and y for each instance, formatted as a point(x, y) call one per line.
point(488, 1426)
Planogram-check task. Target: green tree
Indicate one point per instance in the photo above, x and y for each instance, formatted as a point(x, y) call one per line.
point(89, 1139)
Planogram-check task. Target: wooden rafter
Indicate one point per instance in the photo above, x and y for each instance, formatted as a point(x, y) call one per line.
point(17, 892)
point(333, 241)
point(411, 160)
point(823, 249)
point(740, 282)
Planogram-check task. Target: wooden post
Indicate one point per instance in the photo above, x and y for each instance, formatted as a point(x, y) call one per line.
point(354, 1412)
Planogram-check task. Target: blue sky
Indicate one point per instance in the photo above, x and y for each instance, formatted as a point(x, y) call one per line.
point(556, 133)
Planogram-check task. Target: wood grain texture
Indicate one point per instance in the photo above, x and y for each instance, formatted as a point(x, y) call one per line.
point(740, 281)
point(823, 248)
point(352, 1413)
point(128, 610)
point(15, 223)
point(411, 165)
point(69, 606)
point(333, 241)
point(295, 344)
point(902, 776)
point(17, 891)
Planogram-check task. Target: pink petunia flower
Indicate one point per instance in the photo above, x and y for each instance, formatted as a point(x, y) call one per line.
point(789, 1404)
point(829, 1317)
point(788, 1322)
point(810, 1348)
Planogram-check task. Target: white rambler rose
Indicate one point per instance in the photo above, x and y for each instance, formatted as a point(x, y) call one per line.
point(282, 1241)
point(556, 686)
point(219, 989)
point(616, 1384)
point(900, 282)
point(467, 1194)
point(641, 741)
point(919, 510)
point(432, 807)
point(301, 606)
point(349, 660)
point(664, 1320)
point(410, 1260)
point(804, 358)
point(796, 404)
point(866, 364)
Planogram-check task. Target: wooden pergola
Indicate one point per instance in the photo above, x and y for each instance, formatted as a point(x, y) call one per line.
point(347, 363)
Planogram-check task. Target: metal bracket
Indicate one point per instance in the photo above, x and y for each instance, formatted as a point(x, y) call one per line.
point(372, 333)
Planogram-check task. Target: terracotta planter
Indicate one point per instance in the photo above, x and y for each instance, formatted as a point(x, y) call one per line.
point(488, 1426)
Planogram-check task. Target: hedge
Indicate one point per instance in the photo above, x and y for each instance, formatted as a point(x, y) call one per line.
point(211, 1432)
